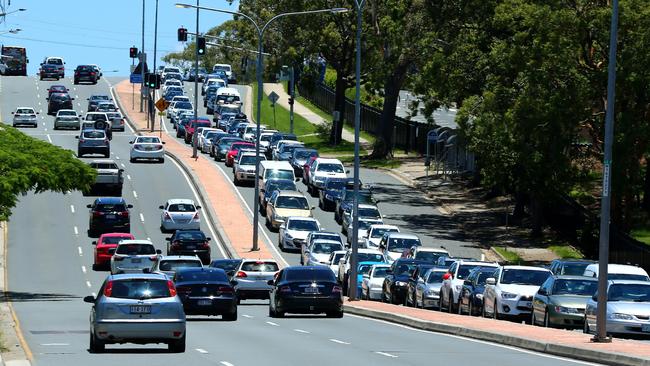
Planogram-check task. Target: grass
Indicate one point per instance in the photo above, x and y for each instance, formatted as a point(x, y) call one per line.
point(510, 256)
point(641, 234)
point(566, 252)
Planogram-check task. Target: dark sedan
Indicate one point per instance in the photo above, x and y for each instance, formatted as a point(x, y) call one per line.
point(95, 99)
point(395, 285)
point(190, 242)
point(228, 265)
point(222, 148)
point(306, 290)
point(331, 192)
point(470, 299)
point(85, 73)
point(108, 214)
point(58, 101)
point(206, 291)
point(49, 72)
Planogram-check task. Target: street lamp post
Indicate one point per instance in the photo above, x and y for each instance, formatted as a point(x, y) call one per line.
point(605, 202)
point(143, 61)
point(155, 49)
point(196, 82)
point(260, 56)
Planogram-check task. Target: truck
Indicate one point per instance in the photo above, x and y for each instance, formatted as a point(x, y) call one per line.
point(109, 177)
point(15, 59)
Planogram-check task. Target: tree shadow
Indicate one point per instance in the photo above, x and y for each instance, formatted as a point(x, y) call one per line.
point(13, 296)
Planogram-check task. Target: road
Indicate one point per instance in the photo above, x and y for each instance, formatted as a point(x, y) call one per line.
point(49, 271)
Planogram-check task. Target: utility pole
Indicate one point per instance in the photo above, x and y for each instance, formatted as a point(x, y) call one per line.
point(143, 60)
point(153, 91)
point(196, 81)
point(292, 94)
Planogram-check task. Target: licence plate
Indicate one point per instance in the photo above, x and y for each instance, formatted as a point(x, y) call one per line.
point(140, 309)
point(204, 302)
point(645, 328)
point(136, 260)
point(191, 247)
point(311, 290)
point(110, 216)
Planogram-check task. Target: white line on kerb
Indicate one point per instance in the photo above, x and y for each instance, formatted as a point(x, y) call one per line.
point(76, 231)
point(55, 344)
point(49, 138)
point(386, 354)
point(142, 217)
point(135, 194)
point(201, 350)
point(338, 341)
point(72, 208)
point(88, 284)
point(226, 363)
point(80, 251)
point(301, 331)
point(83, 269)
point(273, 324)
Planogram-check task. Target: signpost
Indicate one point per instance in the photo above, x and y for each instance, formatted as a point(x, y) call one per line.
point(162, 104)
point(273, 97)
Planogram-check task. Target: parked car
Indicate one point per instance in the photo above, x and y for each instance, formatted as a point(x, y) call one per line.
point(427, 292)
point(426, 254)
point(24, 116)
point(136, 308)
point(618, 272)
point(169, 264)
point(561, 301)
point(206, 291)
point(67, 118)
point(628, 309)
point(293, 232)
point(394, 288)
point(319, 251)
point(179, 214)
point(190, 242)
point(371, 285)
point(109, 214)
point(305, 289)
point(252, 278)
point(452, 284)
point(104, 248)
point(272, 185)
point(393, 244)
point(510, 293)
point(134, 256)
point(569, 267)
point(147, 148)
point(416, 278)
point(376, 232)
point(321, 169)
point(93, 142)
point(470, 299)
point(284, 204)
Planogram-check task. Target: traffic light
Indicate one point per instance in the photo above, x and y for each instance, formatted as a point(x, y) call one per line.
point(182, 34)
point(150, 80)
point(157, 81)
point(200, 45)
point(133, 52)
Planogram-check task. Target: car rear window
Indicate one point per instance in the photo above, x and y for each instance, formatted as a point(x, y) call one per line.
point(25, 111)
point(303, 225)
point(260, 266)
point(110, 207)
point(226, 265)
point(190, 235)
point(326, 248)
point(181, 207)
point(299, 203)
point(148, 140)
point(104, 165)
point(115, 239)
point(573, 269)
point(139, 289)
point(435, 277)
point(428, 256)
point(55, 61)
point(200, 275)
point(310, 275)
point(172, 265)
point(370, 257)
point(136, 249)
point(99, 97)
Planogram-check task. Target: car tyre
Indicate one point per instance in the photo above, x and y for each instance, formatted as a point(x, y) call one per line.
point(96, 345)
point(495, 311)
point(177, 346)
point(459, 308)
point(335, 314)
point(547, 322)
point(585, 327)
point(471, 311)
point(483, 313)
point(231, 317)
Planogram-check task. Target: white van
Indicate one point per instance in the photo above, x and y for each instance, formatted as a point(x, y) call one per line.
point(275, 170)
point(618, 272)
point(228, 96)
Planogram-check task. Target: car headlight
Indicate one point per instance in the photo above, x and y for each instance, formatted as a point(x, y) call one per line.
point(565, 310)
point(479, 296)
point(508, 295)
point(621, 316)
point(329, 197)
point(400, 283)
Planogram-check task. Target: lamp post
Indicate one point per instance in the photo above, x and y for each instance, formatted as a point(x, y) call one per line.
point(605, 202)
point(11, 12)
point(155, 49)
point(143, 61)
point(260, 56)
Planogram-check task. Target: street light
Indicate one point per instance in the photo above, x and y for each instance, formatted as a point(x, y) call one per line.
point(12, 31)
point(260, 56)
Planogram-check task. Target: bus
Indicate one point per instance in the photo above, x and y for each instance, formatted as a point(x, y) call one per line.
point(15, 58)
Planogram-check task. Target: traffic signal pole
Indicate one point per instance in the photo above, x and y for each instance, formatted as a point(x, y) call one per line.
point(196, 83)
point(142, 61)
point(155, 71)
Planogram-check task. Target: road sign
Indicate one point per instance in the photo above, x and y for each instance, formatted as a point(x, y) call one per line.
point(432, 136)
point(273, 97)
point(135, 78)
point(162, 104)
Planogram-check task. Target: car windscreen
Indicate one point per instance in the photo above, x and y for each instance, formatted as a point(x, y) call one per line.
point(189, 235)
point(380, 272)
point(299, 203)
point(523, 277)
point(370, 257)
point(369, 212)
point(428, 256)
point(465, 269)
point(310, 275)
point(265, 137)
point(365, 197)
point(99, 97)
point(139, 288)
point(573, 269)
point(302, 225)
point(135, 249)
point(104, 165)
point(629, 292)
point(198, 124)
point(302, 154)
point(399, 244)
point(172, 265)
point(67, 113)
point(335, 185)
point(247, 160)
point(627, 276)
point(331, 168)
point(283, 185)
point(183, 105)
point(193, 275)
point(365, 225)
point(279, 174)
point(483, 276)
point(211, 134)
point(379, 232)
point(288, 148)
point(260, 266)
point(435, 277)
point(326, 236)
point(181, 207)
point(404, 268)
point(574, 287)
point(326, 248)
point(148, 140)
point(228, 98)
point(109, 207)
point(233, 110)
point(114, 239)
point(364, 269)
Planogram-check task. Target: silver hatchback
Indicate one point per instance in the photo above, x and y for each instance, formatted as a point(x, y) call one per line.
point(137, 308)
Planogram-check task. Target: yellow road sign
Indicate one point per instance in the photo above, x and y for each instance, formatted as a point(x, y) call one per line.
point(162, 104)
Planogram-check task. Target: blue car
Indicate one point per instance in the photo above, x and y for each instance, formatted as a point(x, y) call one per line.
point(364, 268)
point(332, 192)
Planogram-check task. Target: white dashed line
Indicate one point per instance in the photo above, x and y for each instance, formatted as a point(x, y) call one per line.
point(55, 344)
point(201, 350)
point(135, 194)
point(38, 96)
point(301, 331)
point(80, 251)
point(88, 284)
point(79, 104)
point(123, 166)
point(128, 177)
point(338, 341)
point(39, 103)
point(49, 138)
point(72, 208)
point(94, 294)
point(247, 316)
point(148, 238)
point(273, 324)
point(385, 354)
point(226, 363)
point(76, 231)
point(45, 129)
point(142, 217)
point(83, 269)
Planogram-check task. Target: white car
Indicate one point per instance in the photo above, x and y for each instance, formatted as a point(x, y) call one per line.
point(427, 254)
point(252, 276)
point(134, 256)
point(322, 169)
point(25, 116)
point(618, 272)
point(318, 253)
point(169, 264)
point(244, 168)
point(334, 259)
point(67, 118)
point(628, 309)
point(265, 138)
point(225, 68)
point(375, 232)
point(367, 212)
point(180, 214)
point(393, 244)
point(454, 280)
point(202, 132)
point(177, 108)
point(147, 147)
point(206, 147)
point(212, 82)
point(181, 98)
point(278, 147)
point(371, 285)
point(364, 225)
point(293, 232)
point(171, 82)
point(249, 132)
point(511, 291)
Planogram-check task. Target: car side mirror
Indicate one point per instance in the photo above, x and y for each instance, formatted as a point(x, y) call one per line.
point(71, 98)
point(491, 281)
point(347, 171)
point(89, 206)
point(89, 299)
point(198, 207)
point(158, 251)
point(94, 242)
point(13, 112)
point(131, 142)
point(168, 239)
point(208, 238)
point(282, 226)
point(161, 207)
point(129, 206)
point(38, 112)
point(595, 297)
point(312, 208)
point(230, 273)
point(269, 282)
point(163, 142)
point(542, 291)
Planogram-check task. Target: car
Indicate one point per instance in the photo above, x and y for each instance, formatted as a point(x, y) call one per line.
point(182, 126)
point(470, 299)
point(86, 73)
point(561, 300)
point(117, 121)
point(190, 242)
point(372, 282)
point(454, 279)
point(395, 286)
point(94, 99)
point(618, 272)
point(244, 168)
point(57, 88)
point(369, 213)
point(364, 225)
point(147, 147)
point(376, 232)
point(206, 291)
point(318, 253)
point(510, 292)
point(225, 109)
point(227, 71)
point(106, 106)
point(363, 268)
point(179, 214)
point(93, 142)
point(569, 267)
point(228, 265)
point(109, 214)
point(426, 254)
point(333, 261)
point(109, 176)
point(316, 235)
point(272, 185)
point(136, 308)
point(25, 116)
point(293, 232)
point(98, 70)
point(277, 137)
point(275, 154)
point(171, 82)
point(104, 247)
point(234, 149)
point(172, 92)
point(363, 255)
point(299, 157)
point(193, 125)
point(67, 118)
point(169, 264)
point(191, 74)
point(252, 276)
point(202, 132)
point(58, 101)
point(393, 244)
point(416, 278)
point(134, 256)
point(347, 199)
point(284, 204)
point(285, 150)
point(321, 169)
point(427, 292)
point(49, 72)
point(628, 309)
point(178, 107)
point(305, 290)
point(331, 192)
point(306, 167)
point(57, 62)
point(220, 149)
point(213, 82)
point(209, 138)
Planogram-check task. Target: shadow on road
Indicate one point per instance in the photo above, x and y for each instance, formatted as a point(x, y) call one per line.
point(12, 296)
point(134, 350)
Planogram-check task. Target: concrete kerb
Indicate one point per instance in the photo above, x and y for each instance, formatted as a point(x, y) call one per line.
point(494, 337)
point(230, 251)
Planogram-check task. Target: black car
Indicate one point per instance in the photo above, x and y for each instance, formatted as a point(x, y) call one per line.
point(58, 101)
point(57, 89)
point(49, 72)
point(85, 73)
point(109, 214)
point(470, 298)
point(331, 192)
point(206, 291)
point(222, 148)
point(416, 276)
point(347, 199)
point(228, 265)
point(306, 290)
point(93, 142)
point(94, 99)
point(395, 286)
point(190, 242)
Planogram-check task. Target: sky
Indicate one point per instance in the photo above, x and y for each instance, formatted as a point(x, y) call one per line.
point(101, 32)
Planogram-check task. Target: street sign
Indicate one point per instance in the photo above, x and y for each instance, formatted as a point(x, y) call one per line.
point(132, 68)
point(162, 104)
point(135, 78)
point(432, 136)
point(136, 74)
point(273, 97)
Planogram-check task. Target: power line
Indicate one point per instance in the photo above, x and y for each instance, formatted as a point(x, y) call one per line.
point(74, 44)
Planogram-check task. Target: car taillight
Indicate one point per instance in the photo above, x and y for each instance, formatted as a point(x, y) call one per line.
point(153, 257)
point(92, 73)
point(137, 147)
point(241, 274)
point(158, 147)
point(337, 289)
point(225, 289)
point(172, 288)
point(167, 217)
point(97, 213)
point(175, 244)
point(205, 245)
point(123, 214)
point(285, 289)
point(108, 289)
point(181, 290)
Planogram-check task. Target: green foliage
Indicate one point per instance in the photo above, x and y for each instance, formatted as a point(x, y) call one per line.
point(508, 255)
point(28, 164)
point(641, 234)
point(566, 252)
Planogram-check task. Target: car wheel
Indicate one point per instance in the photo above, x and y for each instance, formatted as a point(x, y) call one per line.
point(177, 346)
point(132, 160)
point(161, 160)
point(231, 317)
point(547, 322)
point(495, 311)
point(585, 328)
point(96, 345)
point(459, 307)
point(281, 244)
point(450, 305)
point(335, 314)
point(471, 310)
point(483, 313)
point(80, 153)
point(271, 312)
point(235, 180)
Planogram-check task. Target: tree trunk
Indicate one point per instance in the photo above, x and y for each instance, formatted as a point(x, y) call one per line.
point(339, 105)
point(384, 146)
point(646, 187)
point(537, 215)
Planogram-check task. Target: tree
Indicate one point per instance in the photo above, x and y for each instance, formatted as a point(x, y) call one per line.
point(28, 164)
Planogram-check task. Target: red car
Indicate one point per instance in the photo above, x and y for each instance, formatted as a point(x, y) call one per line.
point(105, 247)
point(194, 124)
point(305, 169)
point(234, 149)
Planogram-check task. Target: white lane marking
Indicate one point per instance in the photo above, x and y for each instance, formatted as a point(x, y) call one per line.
point(123, 166)
point(55, 344)
point(88, 284)
point(39, 103)
point(83, 269)
point(338, 341)
point(474, 340)
point(201, 350)
point(94, 294)
point(301, 331)
point(38, 96)
point(226, 363)
point(72, 208)
point(117, 157)
point(45, 129)
point(76, 231)
point(148, 238)
point(74, 89)
point(49, 138)
point(247, 316)
point(135, 194)
point(76, 97)
point(80, 251)
point(386, 354)
point(273, 324)
point(79, 104)
point(128, 177)
point(196, 195)
point(142, 217)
